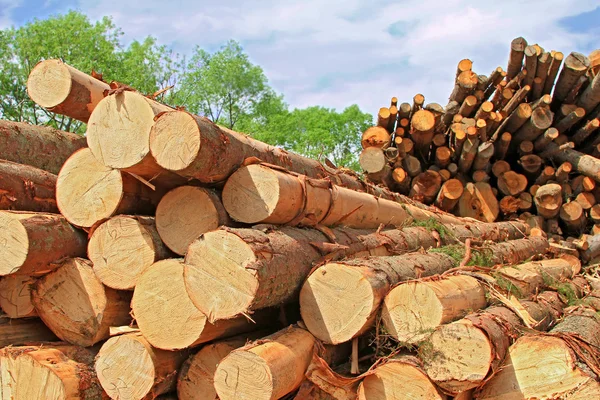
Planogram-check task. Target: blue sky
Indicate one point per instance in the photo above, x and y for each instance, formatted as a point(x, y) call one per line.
point(336, 53)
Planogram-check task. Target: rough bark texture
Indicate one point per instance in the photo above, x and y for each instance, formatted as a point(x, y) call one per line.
point(582, 163)
point(39, 146)
point(17, 332)
point(26, 188)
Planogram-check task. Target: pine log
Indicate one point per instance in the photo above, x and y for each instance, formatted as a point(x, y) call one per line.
point(14, 332)
point(26, 188)
point(86, 321)
point(543, 140)
point(123, 247)
point(383, 117)
point(590, 97)
point(15, 298)
point(548, 200)
point(593, 250)
point(64, 90)
point(530, 65)
point(465, 85)
point(517, 52)
point(418, 101)
point(167, 317)
point(586, 200)
point(582, 163)
point(515, 100)
point(564, 124)
point(88, 192)
point(532, 165)
point(541, 72)
point(449, 194)
point(425, 187)
point(512, 184)
point(563, 171)
point(575, 66)
point(187, 212)
point(398, 379)
point(518, 118)
point(502, 146)
point(375, 164)
point(53, 372)
point(526, 201)
point(401, 179)
point(422, 126)
point(549, 366)
point(129, 368)
point(480, 176)
point(266, 369)
point(555, 63)
point(462, 355)
point(375, 136)
point(404, 111)
point(468, 106)
point(39, 146)
point(485, 151)
point(509, 205)
point(545, 101)
point(340, 300)
point(585, 131)
point(479, 202)
point(525, 148)
point(500, 167)
point(547, 174)
point(573, 217)
point(469, 151)
point(442, 156)
point(540, 120)
point(33, 243)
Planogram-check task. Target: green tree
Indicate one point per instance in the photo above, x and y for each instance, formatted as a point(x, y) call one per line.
point(86, 46)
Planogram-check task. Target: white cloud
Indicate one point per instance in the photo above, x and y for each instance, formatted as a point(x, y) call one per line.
point(347, 43)
point(6, 7)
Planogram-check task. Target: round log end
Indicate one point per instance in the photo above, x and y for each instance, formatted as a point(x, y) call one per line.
point(184, 214)
point(125, 368)
point(216, 277)
point(243, 372)
point(175, 140)
point(49, 83)
point(423, 121)
point(15, 243)
point(15, 300)
point(160, 303)
point(121, 249)
point(372, 160)
point(336, 302)
point(375, 136)
point(118, 131)
point(86, 190)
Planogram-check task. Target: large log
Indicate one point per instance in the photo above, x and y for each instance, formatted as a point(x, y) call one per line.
point(517, 52)
point(15, 296)
point(22, 331)
point(550, 366)
point(76, 306)
point(167, 317)
point(123, 247)
point(62, 89)
point(575, 66)
point(52, 372)
point(340, 300)
point(590, 97)
point(39, 146)
point(548, 200)
point(88, 192)
point(129, 368)
point(582, 163)
point(23, 187)
point(33, 243)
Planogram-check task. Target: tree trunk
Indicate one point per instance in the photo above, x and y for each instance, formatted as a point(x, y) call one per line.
point(449, 194)
point(15, 298)
point(399, 379)
point(128, 367)
point(167, 317)
point(576, 65)
point(64, 90)
point(478, 202)
point(468, 153)
point(88, 192)
point(462, 355)
point(123, 247)
point(515, 61)
point(548, 200)
point(549, 366)
point(39, 146)
point(340, 300)
point(187, 212)
point(53, 372)
point(86, 321)
point(14, 332)
point(26, 188)
point(259, 194)
point(541, 72)
point(34, 242)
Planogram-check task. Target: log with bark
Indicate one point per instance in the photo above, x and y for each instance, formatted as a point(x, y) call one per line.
point(15, 332)
point(64, 90)
point(26, 188)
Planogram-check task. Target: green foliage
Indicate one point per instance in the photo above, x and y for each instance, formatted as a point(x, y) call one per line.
point(479, 257)
point(507, 285)
point(432, 224)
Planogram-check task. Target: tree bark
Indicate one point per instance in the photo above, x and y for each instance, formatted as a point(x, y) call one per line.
point(84, 322)
point(576, 65)
point(15, 332)
point(556, 61)
point(564, 124)
point(128, 367)
point(582, 163)
point(123, 247)
point(517, 52)
point(26, 188)
point(15, 296)
point(585, 131)
point(49, 371)
point(64, 90)
point(35, 242)
point(39, 146)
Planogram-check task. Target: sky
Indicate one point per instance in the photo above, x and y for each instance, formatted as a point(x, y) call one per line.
point(336, 53)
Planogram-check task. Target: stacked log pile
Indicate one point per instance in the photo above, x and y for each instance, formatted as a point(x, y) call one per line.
point(165, 255)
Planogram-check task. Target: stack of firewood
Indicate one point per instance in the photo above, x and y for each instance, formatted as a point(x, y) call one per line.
point(519, 143)
point(165, 254)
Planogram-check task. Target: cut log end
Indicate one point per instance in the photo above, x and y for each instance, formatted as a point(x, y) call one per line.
point(15, 296)
point(49, 83)
point(216, 278)
point(175, 140)
point(249, 373)
point(15, 240)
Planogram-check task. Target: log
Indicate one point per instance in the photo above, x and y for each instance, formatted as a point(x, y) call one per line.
point(582, 163)
point(15, 298)
point(33, 243)
point(442, 156)
point(84, 322)
point(479, 202)
point(449, 194)
point(88, 192)
point(464, 86)
point(14, 332)
point(383, 117)
point(404, 111)
point(545, 101)
point(548, 200)
point(375, 136)
point(425, 187)
point(585, 131)
point(515, 61)
point(401, 179)
point(546, 175)
point(573, 217)
point(555, 63)
point(128, 367)
point(26, 188)
point(451, 109)
point(593, 250)
point(515, 100)
point(586, 200)
point(540, 120)
point(480, 176)
point(398, 379)
point(418, 101)
point(509, 205)
point(267, 369)
point(548, 366)
point(39, 146)
point(485, 151)
point(532, 165)
point(502, 146)
point(54, 371)
point(571, 119)
point(340, 300)
point(187, 212)
point(590, 97)
point(543, 140)
point(541, 72)
point(525, 148)
point(563, 171)
point(469, 151)
point(468, 106)
point(373, 161)
point(526, 201)
point(500, 167)
point(167, 317)
point(123, 247)
point(575, 66)
point(518, 118)
point(422, 126)
point(64, 90)
point(512, 184)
